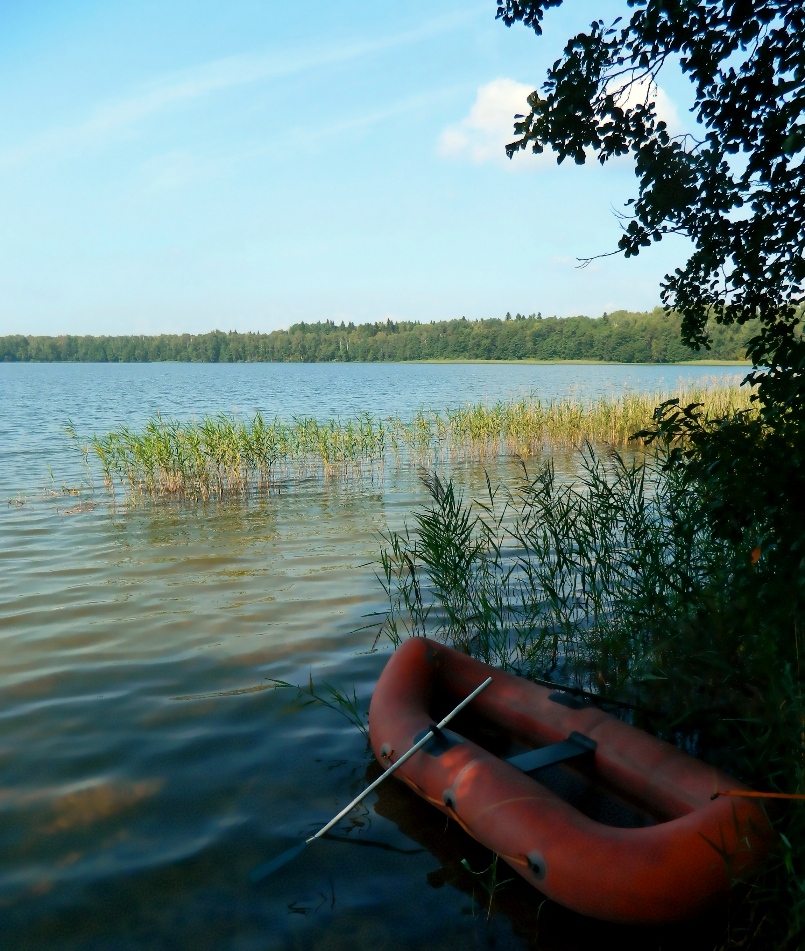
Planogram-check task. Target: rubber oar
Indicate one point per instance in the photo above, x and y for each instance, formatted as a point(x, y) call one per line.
point(751, 794)
point(267, 868)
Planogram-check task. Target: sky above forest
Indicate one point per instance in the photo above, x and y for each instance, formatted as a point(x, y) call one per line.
point(248, 164)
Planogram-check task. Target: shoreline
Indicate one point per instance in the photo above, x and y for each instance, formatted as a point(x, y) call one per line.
point(460, 360)
point(603, 363)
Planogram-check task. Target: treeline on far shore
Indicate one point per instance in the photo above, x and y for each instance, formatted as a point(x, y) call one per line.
point(620, 337)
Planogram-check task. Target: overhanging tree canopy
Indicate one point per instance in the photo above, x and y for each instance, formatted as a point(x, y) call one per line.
point(737, 189)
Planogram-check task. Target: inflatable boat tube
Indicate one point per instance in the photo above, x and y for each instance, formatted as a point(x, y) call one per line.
point(596, 814)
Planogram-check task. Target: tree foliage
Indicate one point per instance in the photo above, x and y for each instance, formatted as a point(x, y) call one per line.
point(620, 337)
point(736, 188)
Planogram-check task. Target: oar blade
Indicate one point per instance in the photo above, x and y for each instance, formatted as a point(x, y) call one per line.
point(268, 868)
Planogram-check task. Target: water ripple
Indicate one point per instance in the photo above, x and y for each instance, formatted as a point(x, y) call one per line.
point(129, 820)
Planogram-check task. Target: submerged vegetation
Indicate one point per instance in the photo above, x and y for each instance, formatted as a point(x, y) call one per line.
point(615, 583)
point(620, 337)
point(221, 456)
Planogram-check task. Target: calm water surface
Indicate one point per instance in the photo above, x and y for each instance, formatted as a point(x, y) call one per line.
point(146, 765)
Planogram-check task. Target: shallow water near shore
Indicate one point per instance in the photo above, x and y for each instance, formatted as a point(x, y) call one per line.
point(146, 762)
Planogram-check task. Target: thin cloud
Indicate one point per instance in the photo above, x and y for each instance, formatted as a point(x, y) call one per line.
point(179, 169)
point(122, 115)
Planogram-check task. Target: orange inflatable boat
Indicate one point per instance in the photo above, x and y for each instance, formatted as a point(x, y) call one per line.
point(598, 815)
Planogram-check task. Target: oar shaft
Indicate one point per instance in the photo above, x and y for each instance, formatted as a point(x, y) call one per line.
point(751, 794)
point(404, 758)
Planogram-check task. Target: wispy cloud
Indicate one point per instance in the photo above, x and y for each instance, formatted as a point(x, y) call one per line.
point(121, 116)
point(299, 136)
point(178, 169)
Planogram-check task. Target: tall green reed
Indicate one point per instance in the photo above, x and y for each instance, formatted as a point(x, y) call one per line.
point(612, 580)
point(551, 573)
point(221, 456)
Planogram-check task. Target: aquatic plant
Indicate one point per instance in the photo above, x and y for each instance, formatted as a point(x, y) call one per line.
point(542, 576)
point(340, 701)
point(221, 456)
point(613, 580)
point(488, 880)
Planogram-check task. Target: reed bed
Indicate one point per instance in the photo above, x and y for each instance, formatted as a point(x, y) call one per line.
point(528, 426)
point(221, 456)
point(614, 582)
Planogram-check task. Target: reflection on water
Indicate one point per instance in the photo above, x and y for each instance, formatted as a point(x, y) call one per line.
point(146, 764)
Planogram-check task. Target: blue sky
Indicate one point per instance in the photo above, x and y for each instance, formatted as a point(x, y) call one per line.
point(247, 164)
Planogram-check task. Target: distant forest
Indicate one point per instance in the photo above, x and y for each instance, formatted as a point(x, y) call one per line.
point(620, 337)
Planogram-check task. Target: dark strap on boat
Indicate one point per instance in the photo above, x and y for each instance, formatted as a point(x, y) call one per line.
point(577, 744)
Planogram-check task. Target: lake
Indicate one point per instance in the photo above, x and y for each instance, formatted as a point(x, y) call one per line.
point(147, 764)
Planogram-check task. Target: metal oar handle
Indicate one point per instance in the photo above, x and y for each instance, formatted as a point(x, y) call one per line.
point(404, 758)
